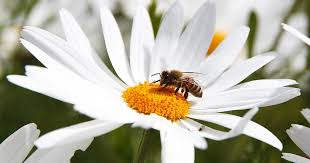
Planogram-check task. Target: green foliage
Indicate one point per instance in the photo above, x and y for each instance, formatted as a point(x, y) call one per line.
point(252, 23)
point(20, 8)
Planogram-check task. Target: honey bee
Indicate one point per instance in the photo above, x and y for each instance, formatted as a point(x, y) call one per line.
point(181, 81)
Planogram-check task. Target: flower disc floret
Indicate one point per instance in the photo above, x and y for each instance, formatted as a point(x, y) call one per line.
point(148, 98)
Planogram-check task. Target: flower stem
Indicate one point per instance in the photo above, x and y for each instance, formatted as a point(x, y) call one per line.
point(140, 155)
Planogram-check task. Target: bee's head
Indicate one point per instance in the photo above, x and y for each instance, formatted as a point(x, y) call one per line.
point(164, 76)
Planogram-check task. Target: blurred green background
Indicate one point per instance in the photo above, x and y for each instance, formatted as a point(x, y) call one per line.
point(19, 106)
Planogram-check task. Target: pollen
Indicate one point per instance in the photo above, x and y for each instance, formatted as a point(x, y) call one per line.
point(218, 37)
point(148, 98)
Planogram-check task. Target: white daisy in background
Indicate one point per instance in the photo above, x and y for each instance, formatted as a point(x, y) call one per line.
point(43, 15)
point(300, 136)
point(292, 52)
point(8, 41)
point(75, 74)
point(270, 15)
point(304, 80)
point(17, 147)
point(296, 33)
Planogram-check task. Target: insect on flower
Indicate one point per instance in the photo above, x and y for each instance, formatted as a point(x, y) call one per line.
point(182, 80)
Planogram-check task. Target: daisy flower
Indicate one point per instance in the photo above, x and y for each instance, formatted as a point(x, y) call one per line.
point(300, 136)
point(17, 146)
point(296, 33)
point(75, 74)
point(270, 14)
point(43, 15)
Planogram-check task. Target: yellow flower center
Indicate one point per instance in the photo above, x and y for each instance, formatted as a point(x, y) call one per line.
point(150, 98)
point(218, 37)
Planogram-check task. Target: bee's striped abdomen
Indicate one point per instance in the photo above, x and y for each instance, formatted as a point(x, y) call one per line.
point(195, 90)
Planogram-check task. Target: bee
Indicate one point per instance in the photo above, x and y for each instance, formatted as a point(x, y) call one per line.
point(180, 80)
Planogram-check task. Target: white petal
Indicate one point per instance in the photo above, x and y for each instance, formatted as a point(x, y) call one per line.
point(283, 95)
point(60, 54)
point(106, 75)
point(30, 84)
point(50, 45)
point(45, 86)
point(45, 43)
point(300, 136)
point(220, 135)
point(49, 36)
point(75, 133)
point(251, 128)
point(237, 99)
point(120, 112)
point(239, 72)
point(243, 105)
point(89, 98)
point(196, 38)
point(115, 46)
point(265, 83)
point(17, 146)
point(176, 148)
point(224, 55)
point(194, 137)
point(25, 82)
point(95, 64)
point(306, 114)
point(167, 37)
point(83, 50)
point(46, 60)
point(258, 98)
point(61, 154)
point(296, 33)
point(54, 51)
point(71, 88)
point(295, 158)
point(76, 37)
point(152, 121)
point(142, 41)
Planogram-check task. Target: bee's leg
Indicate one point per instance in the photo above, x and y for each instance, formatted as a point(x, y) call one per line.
point(176, 90)
point(156, 81)
point(178, 87)
point(166, 85)
point(186, 92)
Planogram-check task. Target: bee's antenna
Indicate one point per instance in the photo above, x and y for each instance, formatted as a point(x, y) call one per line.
point(155, 74)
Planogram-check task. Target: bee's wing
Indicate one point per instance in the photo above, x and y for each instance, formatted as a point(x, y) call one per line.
point(198, 78)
